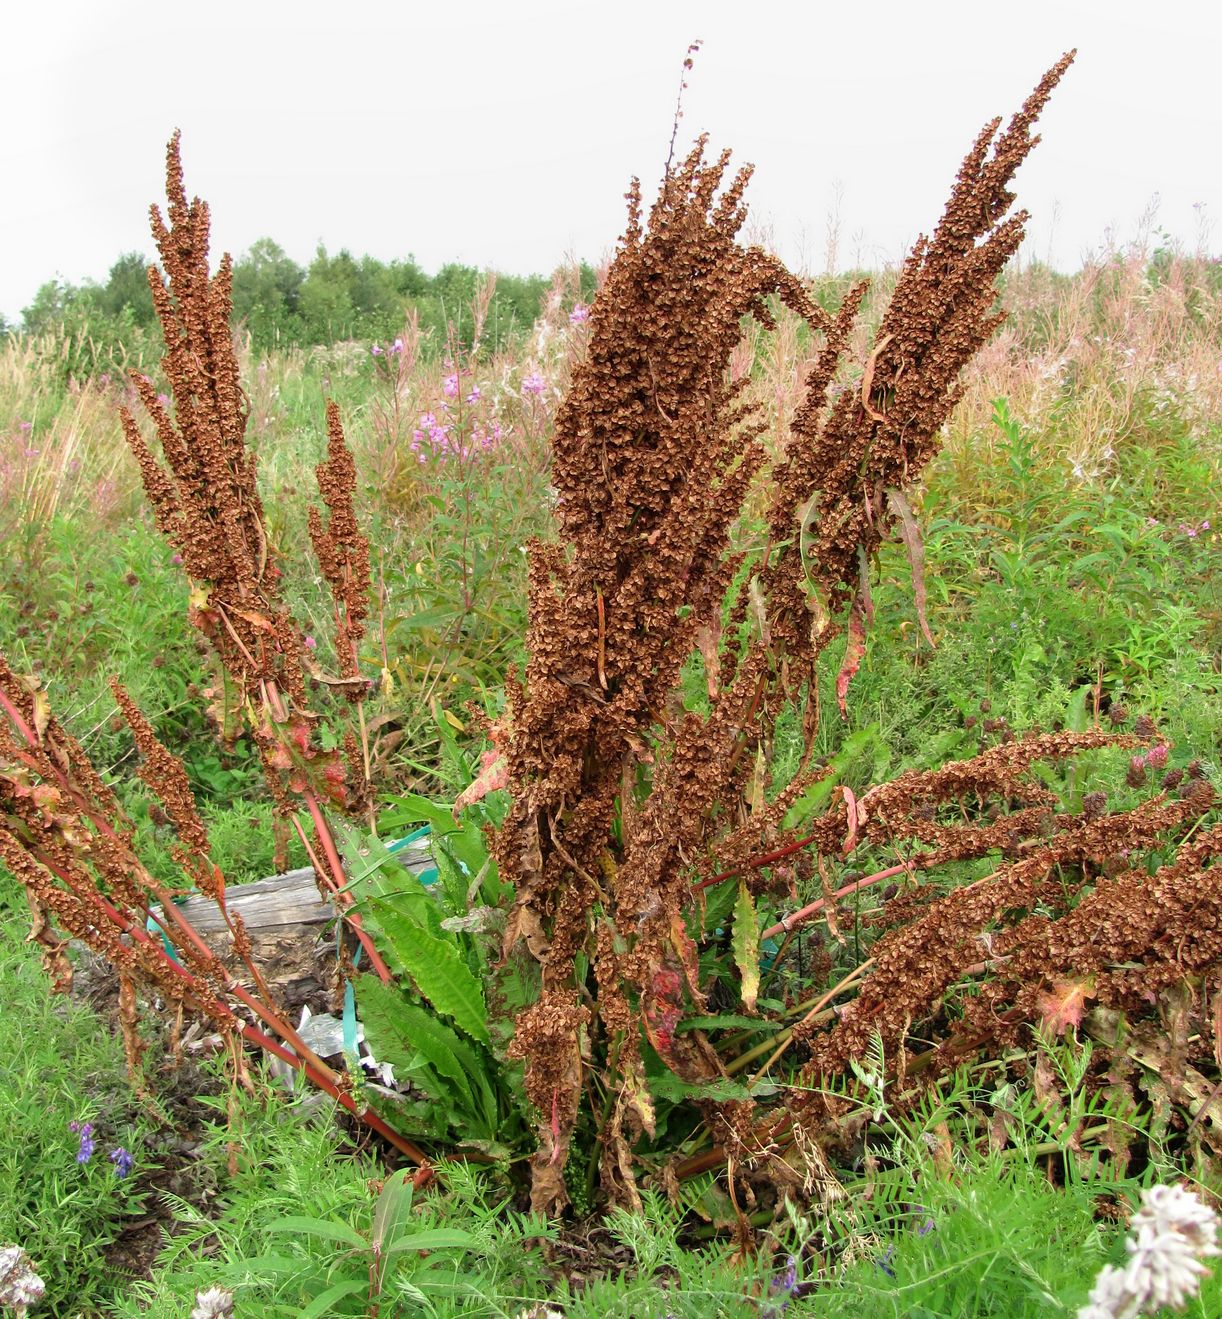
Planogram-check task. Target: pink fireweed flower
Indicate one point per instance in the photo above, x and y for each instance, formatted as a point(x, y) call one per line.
point(534, 384)
point(397, 347)
point(311, 644)
point(449, 386)
point(25, 425)
point(473, 396)
point(376, 350)
point(579, 314)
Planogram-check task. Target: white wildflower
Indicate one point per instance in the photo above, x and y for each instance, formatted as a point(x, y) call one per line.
point(1168, 1237)
point(20, 1286)
point(215, 1303)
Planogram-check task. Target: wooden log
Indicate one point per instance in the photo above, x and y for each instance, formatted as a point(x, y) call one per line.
point(289, 899)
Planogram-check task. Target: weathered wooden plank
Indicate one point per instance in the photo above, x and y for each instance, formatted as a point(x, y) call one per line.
point(278, 900)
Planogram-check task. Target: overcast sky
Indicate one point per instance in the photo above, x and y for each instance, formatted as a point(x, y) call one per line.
point(504, 134)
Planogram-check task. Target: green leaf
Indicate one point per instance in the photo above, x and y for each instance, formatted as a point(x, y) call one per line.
point(726, 1021)
point(746, 945)
point(373, 871)
point(465, 841)
point(438, 1238)
point(437, 968)
point(1077, 719)
point(393, 1208)
point(323, 1302)
point(393, 1025)
point(331, 1229)
point(815, 797)
point(666, 1085)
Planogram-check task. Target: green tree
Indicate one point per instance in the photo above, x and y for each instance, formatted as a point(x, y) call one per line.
point(267, 288)
point(127, 289)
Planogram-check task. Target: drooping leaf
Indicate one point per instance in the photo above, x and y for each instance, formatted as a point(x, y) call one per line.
point(746, 945)
point(324, 1302)
point(854, 649)
point(330, 1229)
point(911, 535)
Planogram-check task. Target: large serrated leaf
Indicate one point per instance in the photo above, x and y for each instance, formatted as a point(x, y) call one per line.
point(393, 1024)
point(437, 969)
point(746, 945)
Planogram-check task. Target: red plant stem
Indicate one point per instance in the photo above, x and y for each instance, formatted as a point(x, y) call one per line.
point(298, 1055)
point(336, 882)
point(756, 862)
point(15, 715)
point(803, 914)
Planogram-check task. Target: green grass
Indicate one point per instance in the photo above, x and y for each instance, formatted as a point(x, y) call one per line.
point(58, 1065)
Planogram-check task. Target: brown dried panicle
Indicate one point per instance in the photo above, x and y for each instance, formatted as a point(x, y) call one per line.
point(205, 499)
point(617, 794)
point(342, 551)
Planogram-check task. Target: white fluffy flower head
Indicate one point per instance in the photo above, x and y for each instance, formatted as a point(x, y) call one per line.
point(20, 1286)
point(1168, 1238)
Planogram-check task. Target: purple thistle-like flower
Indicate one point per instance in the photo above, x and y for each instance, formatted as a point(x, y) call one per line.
point(123, 1162)
point(85, 1131)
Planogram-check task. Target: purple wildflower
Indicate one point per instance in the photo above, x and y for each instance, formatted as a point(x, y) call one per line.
point(396, 348)
point(473, 396)
point(123, 1161)
point(579, 314)
point(177, 559)
point(311, 644)
point(85, 1131)
point(164, 400)
point(534, 384)
point(449, 386)
point(376, 350)
point(25, 425)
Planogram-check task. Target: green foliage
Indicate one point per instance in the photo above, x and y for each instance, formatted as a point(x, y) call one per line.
point(296, 1227)
point(57, 1066)
point(433, 1024)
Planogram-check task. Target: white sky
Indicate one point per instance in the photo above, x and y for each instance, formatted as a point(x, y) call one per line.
point(505, 134)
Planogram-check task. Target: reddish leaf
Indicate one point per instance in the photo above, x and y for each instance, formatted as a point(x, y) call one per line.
point(493, 775)
point(1061, 1009)
point(854, 649)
